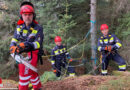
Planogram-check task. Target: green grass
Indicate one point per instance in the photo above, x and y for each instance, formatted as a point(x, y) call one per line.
point(122, 83)
point(48, 76)
point(117, 73)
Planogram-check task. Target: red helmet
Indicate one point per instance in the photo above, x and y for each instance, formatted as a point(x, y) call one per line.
point(104, 26)
point(58, 39)
point(26, 9)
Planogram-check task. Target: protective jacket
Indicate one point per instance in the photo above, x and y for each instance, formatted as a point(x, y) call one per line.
point(58, 60)
point(32, 37)
point(115, 43)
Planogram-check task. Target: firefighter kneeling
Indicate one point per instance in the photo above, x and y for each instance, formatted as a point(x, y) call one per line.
point(108, 45)
point(59, 54)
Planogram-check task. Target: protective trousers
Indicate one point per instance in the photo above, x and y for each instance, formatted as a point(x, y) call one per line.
point(26, 75)
point(114, 56)
point(60, 64)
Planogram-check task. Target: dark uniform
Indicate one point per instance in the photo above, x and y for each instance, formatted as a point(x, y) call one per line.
point(58, 60)
point(115, 43)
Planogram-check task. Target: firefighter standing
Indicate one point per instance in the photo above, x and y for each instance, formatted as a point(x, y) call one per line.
point(28, 37)
point(108, 45)
point(58, 59)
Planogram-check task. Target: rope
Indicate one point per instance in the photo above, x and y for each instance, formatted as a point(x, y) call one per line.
point(95, 68)
point(77, 43)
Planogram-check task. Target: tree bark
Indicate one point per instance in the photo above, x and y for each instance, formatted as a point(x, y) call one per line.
point(93, 31)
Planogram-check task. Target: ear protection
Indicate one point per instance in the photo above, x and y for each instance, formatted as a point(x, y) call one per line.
point(34, 16)
point(30, 4)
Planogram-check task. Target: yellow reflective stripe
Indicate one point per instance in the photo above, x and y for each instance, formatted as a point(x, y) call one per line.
point(101, 41)
point(99, 48)
point(61, 50)
point(112, 38)
point(104, 71)
point(14, 40)
point(18, 29)
point(105, 40)
point(25, 31)
point(34, 31)
point(71, 74)
point(122, 66)
point(52, 62)
point(38, 45)
point(56, 52)
point(64, 49)
point(118, 44)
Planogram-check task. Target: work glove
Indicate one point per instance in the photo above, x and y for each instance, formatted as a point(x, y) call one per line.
point(21, 47)
point(108, 48)
point(70, 60)
point(13, 49)
point(54, 71)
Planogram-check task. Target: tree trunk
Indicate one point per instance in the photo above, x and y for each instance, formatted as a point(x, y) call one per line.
point(93, 31)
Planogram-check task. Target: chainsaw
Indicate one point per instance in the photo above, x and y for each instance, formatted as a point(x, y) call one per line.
point(24, 60)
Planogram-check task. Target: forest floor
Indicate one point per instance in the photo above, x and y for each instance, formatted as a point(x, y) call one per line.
point(117, 81)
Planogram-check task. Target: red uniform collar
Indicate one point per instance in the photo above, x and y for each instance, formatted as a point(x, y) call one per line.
point(22, 22)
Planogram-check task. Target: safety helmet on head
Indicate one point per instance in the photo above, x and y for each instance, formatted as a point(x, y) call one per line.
point(58, 39)
point(26, 7)
point(103, 27)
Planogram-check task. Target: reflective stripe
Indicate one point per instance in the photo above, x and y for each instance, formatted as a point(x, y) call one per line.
point(36, 45)
point(101, 41)
point(56, 52)
point(1, 85)
point(61, 50)
point(99, 48)
point(25, 32)
point(118, 44)
point(122, 66)
point(64, 49)
point(67, 53)
point(36, 82)
point(33, 80)
point(24, 84)
point(52, 62)
point(104, 71)
point(18, 29)
point(24, 78)
point(106, 41)
point(34, 32)
point(72, 74)
point(14, 40)
point(111, 40)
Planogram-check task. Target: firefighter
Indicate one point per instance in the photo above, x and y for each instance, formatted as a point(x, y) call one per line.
point(58, 59)
point(28, 37)
point(108, 44)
